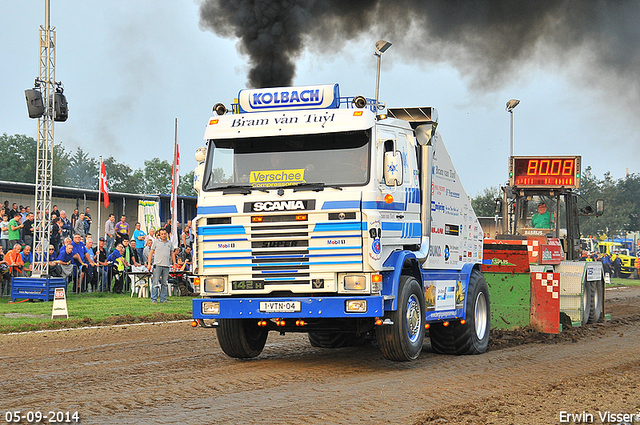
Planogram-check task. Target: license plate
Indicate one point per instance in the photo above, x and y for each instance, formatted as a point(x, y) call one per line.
point(280, 306)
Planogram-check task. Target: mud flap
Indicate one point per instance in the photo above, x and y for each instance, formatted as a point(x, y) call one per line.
point(545, 302)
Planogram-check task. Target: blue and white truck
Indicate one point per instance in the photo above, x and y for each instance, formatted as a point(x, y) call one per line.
point(318, 213)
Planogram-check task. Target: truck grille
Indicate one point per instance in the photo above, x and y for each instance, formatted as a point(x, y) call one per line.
point(281, 249)
point(280, 252)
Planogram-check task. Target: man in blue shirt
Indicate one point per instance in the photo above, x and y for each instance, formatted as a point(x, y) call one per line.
point(65, 260)
point(65, 257)
point(139, 236)
point(80, 255)
point(27, 259)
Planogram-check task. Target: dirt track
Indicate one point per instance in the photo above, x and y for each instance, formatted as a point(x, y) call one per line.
point(172, 373)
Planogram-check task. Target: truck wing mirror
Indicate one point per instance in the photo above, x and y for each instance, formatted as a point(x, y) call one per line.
point(424, 133)
point(393, 168)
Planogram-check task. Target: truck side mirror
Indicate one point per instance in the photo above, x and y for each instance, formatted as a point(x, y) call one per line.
point(393, 168)
point(424, 133)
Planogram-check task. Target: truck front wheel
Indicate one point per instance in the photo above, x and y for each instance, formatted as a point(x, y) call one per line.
point(473, 336)
point(241, 338)
point(402, 341)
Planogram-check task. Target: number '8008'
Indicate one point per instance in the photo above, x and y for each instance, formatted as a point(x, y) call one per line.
point(550, 167)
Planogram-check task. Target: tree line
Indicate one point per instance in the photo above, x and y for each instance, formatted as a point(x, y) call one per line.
point(621, 197)
point(79, 170)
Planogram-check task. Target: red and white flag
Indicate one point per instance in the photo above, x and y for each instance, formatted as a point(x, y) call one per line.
point(103, 185)
point(175, 177)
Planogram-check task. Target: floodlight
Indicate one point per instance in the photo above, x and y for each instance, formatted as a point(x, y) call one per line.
point(512, 104)
point(382, 46)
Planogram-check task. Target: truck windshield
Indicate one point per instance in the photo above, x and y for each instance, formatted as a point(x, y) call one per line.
point(615, 249)
point(341, 159)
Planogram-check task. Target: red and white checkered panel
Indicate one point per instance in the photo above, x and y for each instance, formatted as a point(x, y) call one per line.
point(545, 302)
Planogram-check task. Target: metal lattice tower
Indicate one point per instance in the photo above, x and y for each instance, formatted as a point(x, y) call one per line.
point(44, 169)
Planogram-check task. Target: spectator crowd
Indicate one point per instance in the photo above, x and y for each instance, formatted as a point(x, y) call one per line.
point(88, 266)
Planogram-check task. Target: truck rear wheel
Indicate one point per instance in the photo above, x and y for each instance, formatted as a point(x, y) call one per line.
point(403, 340)
point(473, 336)
point(241, 338)
point(331, 339)
point(597, 297)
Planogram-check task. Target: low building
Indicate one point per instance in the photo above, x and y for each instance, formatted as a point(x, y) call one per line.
point(68, 198)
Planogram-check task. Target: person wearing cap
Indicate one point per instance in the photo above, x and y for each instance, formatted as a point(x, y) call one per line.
point(543, 219)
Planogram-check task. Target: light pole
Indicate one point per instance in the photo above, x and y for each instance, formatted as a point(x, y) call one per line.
point(511, 105)
point(381, 47)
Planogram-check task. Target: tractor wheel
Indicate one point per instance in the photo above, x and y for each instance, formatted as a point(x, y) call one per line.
point(586, 301)
point(597, 298)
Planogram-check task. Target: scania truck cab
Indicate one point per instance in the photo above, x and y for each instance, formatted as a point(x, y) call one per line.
point(320, 214)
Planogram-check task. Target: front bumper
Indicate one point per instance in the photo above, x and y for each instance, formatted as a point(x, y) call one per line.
point(310, 307)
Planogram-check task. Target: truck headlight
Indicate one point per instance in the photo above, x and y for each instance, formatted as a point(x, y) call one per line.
point(356, 306)
point(353, 282)
point(214, 284)
point(210, 307)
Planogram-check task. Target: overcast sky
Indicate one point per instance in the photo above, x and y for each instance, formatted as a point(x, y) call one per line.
point(129, 68)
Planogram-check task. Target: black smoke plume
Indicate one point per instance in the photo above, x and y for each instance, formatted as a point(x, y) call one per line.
point(486, 40)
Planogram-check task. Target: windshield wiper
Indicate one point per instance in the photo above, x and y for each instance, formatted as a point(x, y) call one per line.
point(244, 189)
point(316, 187)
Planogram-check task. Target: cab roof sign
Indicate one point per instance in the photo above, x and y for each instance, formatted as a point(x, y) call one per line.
point(289, 98)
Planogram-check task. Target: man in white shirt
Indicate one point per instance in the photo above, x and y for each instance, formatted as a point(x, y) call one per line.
point(163, 258)
point(110, 232)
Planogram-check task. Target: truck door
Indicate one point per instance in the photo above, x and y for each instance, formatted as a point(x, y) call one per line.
point(412, 230)
point(401, 217)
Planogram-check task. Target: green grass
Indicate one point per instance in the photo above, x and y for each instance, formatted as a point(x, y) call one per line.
point(90, 309)
point(107, 309)
point(624, 282)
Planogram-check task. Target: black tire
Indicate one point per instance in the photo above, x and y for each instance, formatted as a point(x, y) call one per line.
point(331, 339)
point(636, 274)
point(586, 302)
point(597, 298)
point(473, 336)
point(241, 338)
point(403, 340)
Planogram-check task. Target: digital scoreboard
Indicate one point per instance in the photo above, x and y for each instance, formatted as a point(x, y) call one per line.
point(545, 171)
